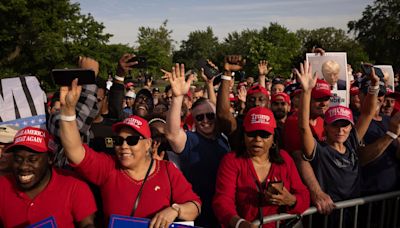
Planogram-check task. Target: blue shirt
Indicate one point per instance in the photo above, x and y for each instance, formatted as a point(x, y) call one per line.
point(199, 162)
point(382, 174)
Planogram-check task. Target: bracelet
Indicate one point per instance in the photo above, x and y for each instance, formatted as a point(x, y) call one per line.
point(374, 87)
point(68, 118)
point(118, 78)
point(225, 77)
point(373, 90)
point(391, 135)
point(238, 222)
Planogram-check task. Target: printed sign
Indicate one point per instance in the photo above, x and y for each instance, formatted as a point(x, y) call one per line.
point(22, 102)
point(332, 67)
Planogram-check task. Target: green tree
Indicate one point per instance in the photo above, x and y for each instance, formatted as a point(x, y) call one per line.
point(274, 43)
point(332, 40)
point(156, 45)
point(379, 31)
point(200, 44)
point(38, 35)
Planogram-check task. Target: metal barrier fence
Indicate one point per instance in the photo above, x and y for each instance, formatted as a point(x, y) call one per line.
point(388, 210)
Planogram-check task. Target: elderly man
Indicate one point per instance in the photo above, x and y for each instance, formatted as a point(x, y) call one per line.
point(200, 151)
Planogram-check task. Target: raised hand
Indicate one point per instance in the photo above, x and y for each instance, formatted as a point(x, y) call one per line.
point(305, 77)
point(154, 151)
point(124, 65)
point(373, 77)
point(233, 63)
point(88, 63)
point(69, 96)
point(177, 80)
point(242, 93)
point(263, 68)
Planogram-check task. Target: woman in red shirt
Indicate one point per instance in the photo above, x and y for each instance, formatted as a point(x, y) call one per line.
point(131, 182)
point(258, 180)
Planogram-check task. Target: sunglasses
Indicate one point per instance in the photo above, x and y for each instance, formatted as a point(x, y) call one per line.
point(322, 99)
point(341, 123)
point(209, 116)
point(130, 140)
point(262, 134)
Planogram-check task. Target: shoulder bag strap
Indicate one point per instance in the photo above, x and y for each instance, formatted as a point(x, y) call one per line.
point(141, 189)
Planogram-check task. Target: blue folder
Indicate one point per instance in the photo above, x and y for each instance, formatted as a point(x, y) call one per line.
point(120, 221)
point(49, 222)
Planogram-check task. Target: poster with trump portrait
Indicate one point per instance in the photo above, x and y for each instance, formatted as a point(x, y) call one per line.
point(332, 67)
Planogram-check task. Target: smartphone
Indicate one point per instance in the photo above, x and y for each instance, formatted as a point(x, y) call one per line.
point(273, 186)
point(142, 61)
point(367, 70)
point(209, 71)
point(64, 77)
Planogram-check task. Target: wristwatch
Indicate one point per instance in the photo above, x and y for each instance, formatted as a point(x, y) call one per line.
point(177, 208)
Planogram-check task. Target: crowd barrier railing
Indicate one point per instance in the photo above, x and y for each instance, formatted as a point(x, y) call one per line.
point(388, 208)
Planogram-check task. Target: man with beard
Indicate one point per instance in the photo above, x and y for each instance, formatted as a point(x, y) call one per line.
point(280, 106)
point(35, 191)
point(200, 151)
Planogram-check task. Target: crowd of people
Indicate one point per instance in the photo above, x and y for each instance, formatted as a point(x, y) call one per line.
point(220, 154)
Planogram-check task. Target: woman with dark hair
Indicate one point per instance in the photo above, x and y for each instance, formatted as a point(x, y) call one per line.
point(259, 179)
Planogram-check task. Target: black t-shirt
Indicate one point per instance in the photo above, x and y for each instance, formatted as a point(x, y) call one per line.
point(338, 174)
point(382, 174)
point(103, 136)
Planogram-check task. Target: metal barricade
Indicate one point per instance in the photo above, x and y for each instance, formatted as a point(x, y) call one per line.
point(387, 217)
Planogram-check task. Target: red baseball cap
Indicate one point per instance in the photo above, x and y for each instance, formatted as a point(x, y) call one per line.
point(129, 84)
point(395, 95)
point(258, 89)
point(33, 138)
point(338, 113)
point(232, 97)
point(354, 90)
point(321, 89)
point(259, 119)
point(281, 97)
point(136, 123)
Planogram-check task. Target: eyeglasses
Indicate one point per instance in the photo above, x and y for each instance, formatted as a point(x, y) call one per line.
point(130, 140)
point(262, 134)
point(209, 116)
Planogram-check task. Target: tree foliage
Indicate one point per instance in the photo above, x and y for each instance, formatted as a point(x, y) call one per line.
point(274, 43)
point(379, 31)
point(156, 45)
point(38, 35)
point(200, 44)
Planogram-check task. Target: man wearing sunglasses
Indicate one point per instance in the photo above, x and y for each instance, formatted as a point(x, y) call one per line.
point(200, 151)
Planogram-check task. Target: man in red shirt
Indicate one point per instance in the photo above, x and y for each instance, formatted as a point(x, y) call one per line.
point(35, 191)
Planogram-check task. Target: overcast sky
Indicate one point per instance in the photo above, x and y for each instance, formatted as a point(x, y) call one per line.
point(122, 18)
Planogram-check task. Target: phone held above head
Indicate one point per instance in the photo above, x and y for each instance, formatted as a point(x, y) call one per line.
point(64, 77)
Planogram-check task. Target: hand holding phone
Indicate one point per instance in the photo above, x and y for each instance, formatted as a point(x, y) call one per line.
point(141, 62)
point(273, 187)
point(209, 70)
